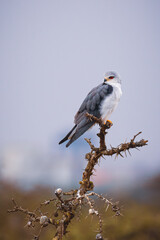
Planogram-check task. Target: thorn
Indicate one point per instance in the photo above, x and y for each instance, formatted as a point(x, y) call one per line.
point(137, 149)
point(129, 152)
point(107, 208)
point(14, 202)
point(132, 140)
point(121, 155)
point(125, 153)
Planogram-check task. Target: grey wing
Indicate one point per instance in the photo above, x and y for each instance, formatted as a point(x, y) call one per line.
point(91, 104)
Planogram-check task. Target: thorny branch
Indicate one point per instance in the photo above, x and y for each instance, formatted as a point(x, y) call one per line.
point(68, 204)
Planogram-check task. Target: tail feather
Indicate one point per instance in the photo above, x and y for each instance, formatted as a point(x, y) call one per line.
point(67, 136)
point(79, 131)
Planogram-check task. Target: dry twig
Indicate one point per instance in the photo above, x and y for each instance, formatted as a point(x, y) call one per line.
point(68, 203)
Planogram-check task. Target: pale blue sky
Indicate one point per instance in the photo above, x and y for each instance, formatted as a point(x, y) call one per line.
point(54, 52)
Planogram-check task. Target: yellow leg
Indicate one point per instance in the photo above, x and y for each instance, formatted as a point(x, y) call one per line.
point(109, 121)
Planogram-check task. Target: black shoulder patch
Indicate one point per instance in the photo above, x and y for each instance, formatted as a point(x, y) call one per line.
point(110, 89)
point(107, 89)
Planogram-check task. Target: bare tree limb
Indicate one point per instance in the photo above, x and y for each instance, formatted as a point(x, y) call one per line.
point(68, 203)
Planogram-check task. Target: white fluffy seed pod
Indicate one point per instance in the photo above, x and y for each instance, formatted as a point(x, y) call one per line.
point(99, 237)
point(43, 220)
point(96, 212)
point(78, 194)
point(91, 211)
point(29, 224)
point(58, 191)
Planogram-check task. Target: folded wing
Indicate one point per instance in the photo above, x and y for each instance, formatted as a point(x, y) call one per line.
point(91, 104)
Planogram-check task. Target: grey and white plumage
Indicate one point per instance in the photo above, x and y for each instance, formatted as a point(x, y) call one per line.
point(101, 101)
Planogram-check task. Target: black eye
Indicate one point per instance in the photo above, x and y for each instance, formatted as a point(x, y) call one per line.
point(111, 77)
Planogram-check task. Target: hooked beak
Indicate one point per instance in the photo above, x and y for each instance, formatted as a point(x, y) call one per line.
point(106, 79)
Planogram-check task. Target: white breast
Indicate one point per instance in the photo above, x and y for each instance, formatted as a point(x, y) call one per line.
point(110, 103)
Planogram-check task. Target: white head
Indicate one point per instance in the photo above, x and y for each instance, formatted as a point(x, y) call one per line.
point(111, 77)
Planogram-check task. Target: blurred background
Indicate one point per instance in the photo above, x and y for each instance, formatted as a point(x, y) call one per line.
point(52, 54)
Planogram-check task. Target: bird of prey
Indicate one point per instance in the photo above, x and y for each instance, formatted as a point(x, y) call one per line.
point(101, 101)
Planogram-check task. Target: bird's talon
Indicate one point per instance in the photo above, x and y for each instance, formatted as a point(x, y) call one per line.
point(109, 122)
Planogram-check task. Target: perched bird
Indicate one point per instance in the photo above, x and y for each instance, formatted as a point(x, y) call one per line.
point(101, 101)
